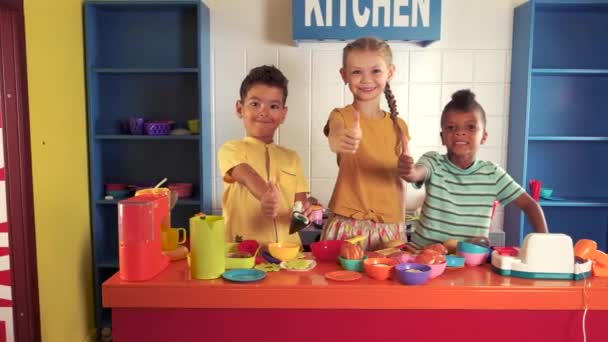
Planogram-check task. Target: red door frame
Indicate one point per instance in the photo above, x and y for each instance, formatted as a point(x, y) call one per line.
point(18, 168)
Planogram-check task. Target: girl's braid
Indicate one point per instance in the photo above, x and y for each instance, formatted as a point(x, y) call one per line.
point(392, 105)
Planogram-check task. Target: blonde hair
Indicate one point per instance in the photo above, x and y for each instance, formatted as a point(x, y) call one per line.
point(384, 50)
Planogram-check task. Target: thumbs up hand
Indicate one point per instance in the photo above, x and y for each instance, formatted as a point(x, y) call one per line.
point(405, 164)
point(348, 138)
point(270, 201)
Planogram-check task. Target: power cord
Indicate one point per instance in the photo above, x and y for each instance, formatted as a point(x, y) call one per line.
point(586, 285)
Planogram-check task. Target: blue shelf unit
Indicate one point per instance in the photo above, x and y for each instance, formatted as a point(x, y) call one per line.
point(147, 59)
point(558, 123)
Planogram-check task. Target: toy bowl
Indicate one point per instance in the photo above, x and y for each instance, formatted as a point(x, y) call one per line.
point(183, 190)
point(379, 268)
point(454, 261)
point(411, 273)
point(546, 192)
point(118, 194)
point(115, 186)
point(472, 248)
point(437, 269)
point(284, 251)
point(473, 259)
point(352, 264)
point(326, 250)
point(234, 261)
point(157, 127)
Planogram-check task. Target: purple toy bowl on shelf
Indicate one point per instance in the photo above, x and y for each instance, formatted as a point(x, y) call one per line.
point(158, 127)
point(136, 126)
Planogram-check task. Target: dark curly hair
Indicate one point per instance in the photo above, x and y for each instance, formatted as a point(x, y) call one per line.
point(267, 75)
point(464, 101)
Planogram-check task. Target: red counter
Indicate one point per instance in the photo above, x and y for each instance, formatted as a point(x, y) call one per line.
point(467, 304)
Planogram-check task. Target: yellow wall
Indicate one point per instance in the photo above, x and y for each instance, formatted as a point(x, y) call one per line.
point(55, 71)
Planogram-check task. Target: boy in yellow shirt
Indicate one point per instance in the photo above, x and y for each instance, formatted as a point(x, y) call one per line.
point(262, 180)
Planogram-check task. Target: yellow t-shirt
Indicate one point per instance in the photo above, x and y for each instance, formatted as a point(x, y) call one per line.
point(241, 210)
point(368, 186)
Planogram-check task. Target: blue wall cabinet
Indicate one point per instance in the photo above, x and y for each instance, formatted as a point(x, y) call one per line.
point(145, 59)
point(558, 124)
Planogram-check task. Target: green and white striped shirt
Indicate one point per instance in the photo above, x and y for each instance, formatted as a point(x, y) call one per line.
point(458, 202)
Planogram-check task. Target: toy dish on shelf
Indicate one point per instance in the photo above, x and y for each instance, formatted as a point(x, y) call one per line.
point(183, 190)
point(157, 127)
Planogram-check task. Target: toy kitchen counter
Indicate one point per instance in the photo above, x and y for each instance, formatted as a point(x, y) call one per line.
point(470, 303)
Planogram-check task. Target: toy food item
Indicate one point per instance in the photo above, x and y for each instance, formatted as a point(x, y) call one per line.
point(240, 254)
point(250, 246)
point(440, 259)
point(401, 257)
point(351, 251)
point(451, 245)
point(387, 251)
point(430, 257)
point(268, 267)
point(481, 241)
point(177, 254)
point(425, 258)
point(441, 249)
point(298, 264)
point(394, 244)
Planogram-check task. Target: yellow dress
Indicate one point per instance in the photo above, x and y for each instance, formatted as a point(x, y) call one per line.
point(368, 195)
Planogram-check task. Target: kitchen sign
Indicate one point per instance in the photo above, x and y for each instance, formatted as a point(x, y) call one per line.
point(417, 20)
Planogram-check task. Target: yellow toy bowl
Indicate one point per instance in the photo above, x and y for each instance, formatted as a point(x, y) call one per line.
point(284, 251)
point(232, 262)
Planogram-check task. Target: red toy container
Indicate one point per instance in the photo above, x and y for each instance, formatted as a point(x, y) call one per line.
point(139, 237)
point(326, 250)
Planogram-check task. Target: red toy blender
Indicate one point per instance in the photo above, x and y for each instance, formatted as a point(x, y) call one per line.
point(140, 219)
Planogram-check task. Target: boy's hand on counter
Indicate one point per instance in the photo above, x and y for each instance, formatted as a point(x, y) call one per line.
point(270, 201)
point(347, 139)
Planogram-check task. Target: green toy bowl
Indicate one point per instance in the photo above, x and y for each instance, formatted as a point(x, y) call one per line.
point(352, 265)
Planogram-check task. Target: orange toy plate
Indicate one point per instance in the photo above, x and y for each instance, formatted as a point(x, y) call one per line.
point(343, 275)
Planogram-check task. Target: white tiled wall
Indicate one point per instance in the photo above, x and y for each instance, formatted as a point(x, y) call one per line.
point(474, 52)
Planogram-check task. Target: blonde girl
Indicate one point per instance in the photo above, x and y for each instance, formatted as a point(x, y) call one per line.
point(370, 145)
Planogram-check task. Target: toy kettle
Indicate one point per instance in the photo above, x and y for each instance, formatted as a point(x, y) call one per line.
point(207, 247)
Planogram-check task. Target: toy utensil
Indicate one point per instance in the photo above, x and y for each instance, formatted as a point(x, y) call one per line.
point(160, 183)
point(299, 221)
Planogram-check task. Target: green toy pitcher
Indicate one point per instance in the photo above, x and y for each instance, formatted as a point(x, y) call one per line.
point(207, 240)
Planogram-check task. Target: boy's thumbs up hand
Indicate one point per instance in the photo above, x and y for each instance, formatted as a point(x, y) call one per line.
point(406, 162)
point(270, 201)
point(351, 136)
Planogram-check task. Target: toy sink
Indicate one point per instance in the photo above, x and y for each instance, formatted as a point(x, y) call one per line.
point(542, 256)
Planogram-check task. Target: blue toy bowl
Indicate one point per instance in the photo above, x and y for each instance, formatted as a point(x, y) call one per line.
point(454, 261)
point(468, 247)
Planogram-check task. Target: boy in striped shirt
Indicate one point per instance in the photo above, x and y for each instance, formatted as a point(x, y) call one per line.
point(460, 189)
